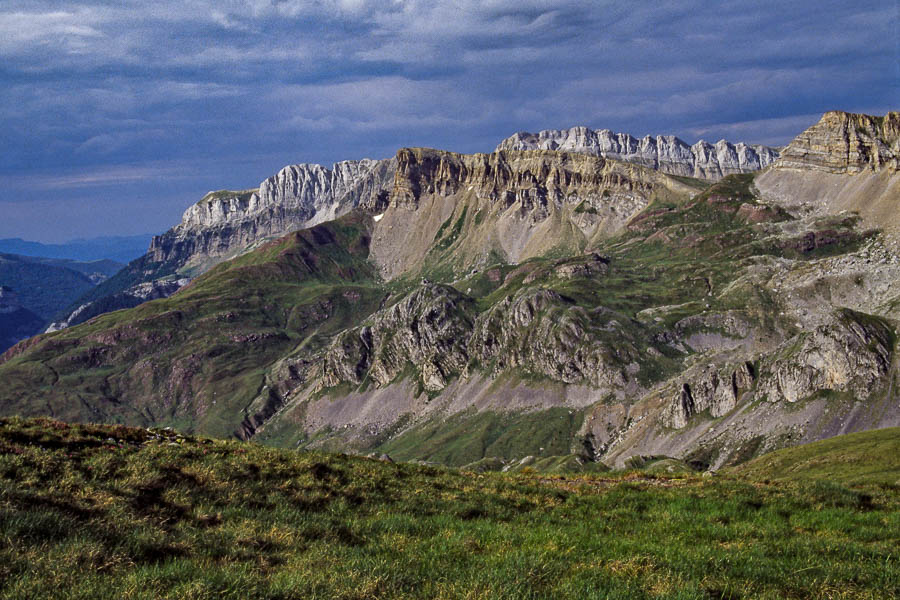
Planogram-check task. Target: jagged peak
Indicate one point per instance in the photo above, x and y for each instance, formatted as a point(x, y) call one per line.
point(845, 142)
point(666, 153)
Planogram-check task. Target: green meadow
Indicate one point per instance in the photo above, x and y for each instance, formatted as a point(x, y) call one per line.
point(89, 511)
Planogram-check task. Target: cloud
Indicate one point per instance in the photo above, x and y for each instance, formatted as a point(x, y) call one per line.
point(110, 176)
point(245, 86)
point(68, 31)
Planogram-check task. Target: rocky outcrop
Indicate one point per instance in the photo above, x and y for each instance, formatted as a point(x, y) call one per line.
point(707, 388)
point(435, 331)
point(852, 353)
point(129, 298)
point(512, 204)
point(663, 153)
point(298, 196)
point(546, 334)
point(846, 143)
point(429, 330)
point(531, 179)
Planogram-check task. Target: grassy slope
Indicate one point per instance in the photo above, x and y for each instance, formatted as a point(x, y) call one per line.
point(469, 437)
point(43, 289)
point(112, 512)
point(196, 359)
point(865, 457)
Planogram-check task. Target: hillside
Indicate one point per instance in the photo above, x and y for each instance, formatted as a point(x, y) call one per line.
point(187, 360)
point(868, 457)
point(516, 306)
point(44, 288)
point(114, 512)
point(16, 323)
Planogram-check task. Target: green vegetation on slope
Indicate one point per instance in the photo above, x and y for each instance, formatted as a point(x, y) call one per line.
point(113, 512)
point(469, 437)
point(198, 358)
point(870, 457)
point(42, 288)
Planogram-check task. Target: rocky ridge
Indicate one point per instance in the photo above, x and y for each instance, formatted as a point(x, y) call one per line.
point(511, 204)
point(663, 153)
point(846, 143)
point(224, 223)
point(580, 298)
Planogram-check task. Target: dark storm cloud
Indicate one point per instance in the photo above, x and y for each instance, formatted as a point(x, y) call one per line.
point(104, 103)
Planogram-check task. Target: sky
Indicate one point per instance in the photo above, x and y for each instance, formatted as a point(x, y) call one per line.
point(117, 115)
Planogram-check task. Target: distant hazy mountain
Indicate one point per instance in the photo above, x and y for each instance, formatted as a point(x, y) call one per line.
point(16, 322)
point(118, 248)
point(41, 288)
point(36, 288)
point(96, 270)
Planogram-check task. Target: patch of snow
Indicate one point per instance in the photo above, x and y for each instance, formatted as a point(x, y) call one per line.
point(378, 217)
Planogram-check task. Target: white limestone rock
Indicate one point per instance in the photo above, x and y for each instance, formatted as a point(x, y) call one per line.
point(664, 153)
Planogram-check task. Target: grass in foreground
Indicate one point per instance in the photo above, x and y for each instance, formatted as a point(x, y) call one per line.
point(115, 512)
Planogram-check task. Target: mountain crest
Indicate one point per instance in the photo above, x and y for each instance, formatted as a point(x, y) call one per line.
point(225, 222)
point(668, 153)
point(843, 142)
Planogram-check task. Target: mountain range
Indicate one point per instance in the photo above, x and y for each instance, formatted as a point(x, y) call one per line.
point(575, 293)
point(37, 288)
point(120, 249)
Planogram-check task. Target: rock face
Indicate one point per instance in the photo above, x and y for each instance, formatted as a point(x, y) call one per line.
point(663, 153)
point(298, 196)
point(225, 223)
point(850, 354)
point(429, 328)
point(844, 163)
point(531, 179)
point(437, 332)
point(708, 389)
point(515, 204)
point(542, 332)
point(846, 143)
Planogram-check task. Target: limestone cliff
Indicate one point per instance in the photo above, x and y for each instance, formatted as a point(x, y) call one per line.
point(663, 153)
point(224, 223)
point(846, 143)
point(845, 162)
point(511, 204)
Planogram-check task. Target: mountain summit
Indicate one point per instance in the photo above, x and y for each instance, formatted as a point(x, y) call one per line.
point(483, 309)
point(663, 153)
